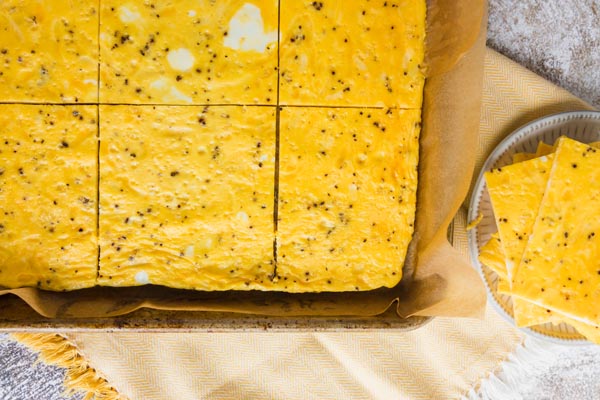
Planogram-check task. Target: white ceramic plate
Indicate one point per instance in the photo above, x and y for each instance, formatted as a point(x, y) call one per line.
point(583, 126)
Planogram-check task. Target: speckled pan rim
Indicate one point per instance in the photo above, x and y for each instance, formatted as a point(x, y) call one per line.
point(526, 138)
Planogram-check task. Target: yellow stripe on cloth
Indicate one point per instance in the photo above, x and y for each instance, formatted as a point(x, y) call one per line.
point(443, 360)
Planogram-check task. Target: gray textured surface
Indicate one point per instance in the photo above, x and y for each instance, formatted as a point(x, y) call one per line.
point(572, 374)
point(21, 378)
point(558, 39)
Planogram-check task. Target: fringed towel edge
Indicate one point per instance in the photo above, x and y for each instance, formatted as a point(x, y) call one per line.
point(503, 383)
point(80, 376)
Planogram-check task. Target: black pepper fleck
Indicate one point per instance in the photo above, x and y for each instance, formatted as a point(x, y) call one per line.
point(216, 152)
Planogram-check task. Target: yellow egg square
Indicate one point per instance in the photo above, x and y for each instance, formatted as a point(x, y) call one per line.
point(49, 51)
point(347, 195)
point(342, 53)
point(558, 268)
point(189, 52)
point(48, 192)
point(186, 196)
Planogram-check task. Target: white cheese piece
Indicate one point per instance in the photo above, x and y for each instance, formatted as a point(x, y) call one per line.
point(246, 31)
point(180, 59)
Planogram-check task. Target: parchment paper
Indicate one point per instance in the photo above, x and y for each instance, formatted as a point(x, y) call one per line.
point(436, 281)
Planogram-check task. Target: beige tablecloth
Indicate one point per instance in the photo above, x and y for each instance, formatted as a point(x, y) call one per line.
point(445, 359)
